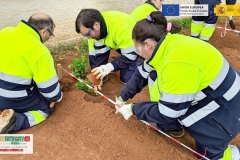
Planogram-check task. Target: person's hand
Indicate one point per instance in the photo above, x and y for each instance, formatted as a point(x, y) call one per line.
point(102, 70)
point(126, 111)
point(98, 87)
point(59, 100)
point(118, 103)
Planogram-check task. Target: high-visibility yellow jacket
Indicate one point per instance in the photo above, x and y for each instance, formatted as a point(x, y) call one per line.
point(142, 11)
point(119, 36)
point(198, 88)
point(26, 68)
point(145, 74)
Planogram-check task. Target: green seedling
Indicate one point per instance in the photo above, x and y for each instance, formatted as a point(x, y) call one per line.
point(83, 87)
point(80, 65)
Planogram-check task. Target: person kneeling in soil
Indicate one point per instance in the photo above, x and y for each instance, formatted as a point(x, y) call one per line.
point(106, 31)
point(28, 79)
point(146, 75)
point(198, 88)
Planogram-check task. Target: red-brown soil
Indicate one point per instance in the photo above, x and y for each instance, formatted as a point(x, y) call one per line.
point(84, 126)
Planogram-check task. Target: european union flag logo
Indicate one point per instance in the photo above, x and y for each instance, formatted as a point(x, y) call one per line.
point(170, 9)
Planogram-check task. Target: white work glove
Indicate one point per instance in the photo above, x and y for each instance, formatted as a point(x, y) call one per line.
point(102, 70)
point(59, 100)
point(126, 111)
point(96, 87)
point(118, 103)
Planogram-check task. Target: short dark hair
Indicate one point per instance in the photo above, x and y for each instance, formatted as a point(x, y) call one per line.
point(87, 17)
point(41, 23)
point(154, 28)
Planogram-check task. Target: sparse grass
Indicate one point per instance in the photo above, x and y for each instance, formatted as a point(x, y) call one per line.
point(82, 48)
point(61, 48)
point(184, 22)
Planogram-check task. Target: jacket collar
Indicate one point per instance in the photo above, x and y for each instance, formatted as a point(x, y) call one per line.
point(103, 29)
point(159, 49)
point(33, 30)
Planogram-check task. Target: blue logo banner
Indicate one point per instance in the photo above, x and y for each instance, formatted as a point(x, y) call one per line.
point(170, 9)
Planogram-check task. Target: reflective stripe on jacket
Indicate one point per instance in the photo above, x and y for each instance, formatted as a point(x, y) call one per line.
point(198, 87)
point(119, 36)
point(26, 68)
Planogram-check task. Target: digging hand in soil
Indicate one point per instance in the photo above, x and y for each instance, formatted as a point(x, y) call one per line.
point(126, 111)
point(119, 103)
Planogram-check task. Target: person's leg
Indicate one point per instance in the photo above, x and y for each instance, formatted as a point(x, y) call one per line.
point(210, 21)
point(230, 18)
point(223, 152)
point(99, 59)
point(197, 24)
point(174, 129)
point(231, 2)
point(26, 119)
point(232, 150)
point(126, 73)
point(7, 121)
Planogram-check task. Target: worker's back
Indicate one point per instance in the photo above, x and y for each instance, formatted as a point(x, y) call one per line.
point(22, 53)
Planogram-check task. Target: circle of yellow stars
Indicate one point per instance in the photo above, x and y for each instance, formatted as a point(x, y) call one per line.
point(169, 7)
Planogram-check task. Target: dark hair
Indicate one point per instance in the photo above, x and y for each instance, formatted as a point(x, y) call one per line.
point(153, 27)
point(176, 28)
point(87, 17)
point(41, 23)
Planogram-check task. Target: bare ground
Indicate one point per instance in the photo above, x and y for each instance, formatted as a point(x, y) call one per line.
point(84, 126)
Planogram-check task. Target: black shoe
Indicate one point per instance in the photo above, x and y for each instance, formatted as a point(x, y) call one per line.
point(105, 79)
point(175, 132)
point(7, 121)
point(232, 25)
point(195, 36)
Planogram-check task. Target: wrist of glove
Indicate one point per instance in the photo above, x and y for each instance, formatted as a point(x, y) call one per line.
point(118, 103)
point(126, 111)
point(102, 70)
